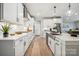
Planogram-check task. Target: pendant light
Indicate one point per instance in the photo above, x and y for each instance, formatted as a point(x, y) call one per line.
point(54, 10)
point(55, 16)
point(70, 12)
point(17, 19)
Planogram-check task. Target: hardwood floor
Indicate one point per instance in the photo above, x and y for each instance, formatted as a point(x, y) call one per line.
point(38, 47)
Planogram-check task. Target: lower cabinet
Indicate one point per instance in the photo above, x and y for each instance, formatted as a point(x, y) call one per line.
point(58, 48)
point(15, 47)
point(27, 41)
point(22, 44)
point(72, 48)
point(61, 47)
point(19, 47)
point(51, 44)
point(55, 46)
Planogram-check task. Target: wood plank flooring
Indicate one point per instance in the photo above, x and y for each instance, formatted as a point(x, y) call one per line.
point(38, 47)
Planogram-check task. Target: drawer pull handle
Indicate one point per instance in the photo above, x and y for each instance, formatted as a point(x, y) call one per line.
point(20, 40)
point(24, 43)
point(57, 40)
point(57, 44)
point(50, 42)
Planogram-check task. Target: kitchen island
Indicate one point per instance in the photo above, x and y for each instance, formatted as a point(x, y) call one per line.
point(63, 44)
point(15, 45)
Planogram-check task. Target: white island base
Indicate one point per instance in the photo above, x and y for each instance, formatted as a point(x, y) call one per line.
point(63, 45)
point(15, 45)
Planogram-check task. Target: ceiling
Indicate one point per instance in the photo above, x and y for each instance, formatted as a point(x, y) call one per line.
point(47, 9)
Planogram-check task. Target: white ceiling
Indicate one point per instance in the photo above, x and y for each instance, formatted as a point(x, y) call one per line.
point(47, 9)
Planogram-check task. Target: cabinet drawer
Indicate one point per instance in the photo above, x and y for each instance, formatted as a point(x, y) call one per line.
point(58, 41)
point(58, 49)
point(72, 42)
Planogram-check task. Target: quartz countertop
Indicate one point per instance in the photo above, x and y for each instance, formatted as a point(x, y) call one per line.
point(65, 37)
point(15, 37)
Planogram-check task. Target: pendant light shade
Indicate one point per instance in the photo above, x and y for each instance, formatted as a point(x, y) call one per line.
point(54, 10)
point(70, 12)
point(55, 16)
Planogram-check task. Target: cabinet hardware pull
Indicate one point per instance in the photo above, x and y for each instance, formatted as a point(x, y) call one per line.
point(50, 42)
point(57, 44)
point(57, 40)
point(24, 43)
point(20, 40)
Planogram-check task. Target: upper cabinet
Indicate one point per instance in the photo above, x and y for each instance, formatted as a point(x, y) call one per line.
point(10, 12)
point(19, 12)
point(13, 12)
point(1, 11)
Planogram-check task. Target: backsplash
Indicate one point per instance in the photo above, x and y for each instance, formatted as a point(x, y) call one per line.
point(67, 26)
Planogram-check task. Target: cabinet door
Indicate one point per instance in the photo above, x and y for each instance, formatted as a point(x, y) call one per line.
point(10, 11)
point(19, 48)
point(27, 39)
point(51, 44)
point(57, 47)
point(20, 13)
point(26, 44)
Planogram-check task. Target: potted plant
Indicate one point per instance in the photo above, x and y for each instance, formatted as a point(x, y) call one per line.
point(5, 30)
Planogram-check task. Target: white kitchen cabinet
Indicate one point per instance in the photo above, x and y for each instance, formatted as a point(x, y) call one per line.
point(19, 47)
point(27, 43)
point(13, 12)
point(64, 44)
point(10, 11)
point(55, 45)
point(27, 40)
point(58, 47)
point(49, 41)
point(20, 13)
point(72, 48)
point(15, 45)
point(51, 44)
